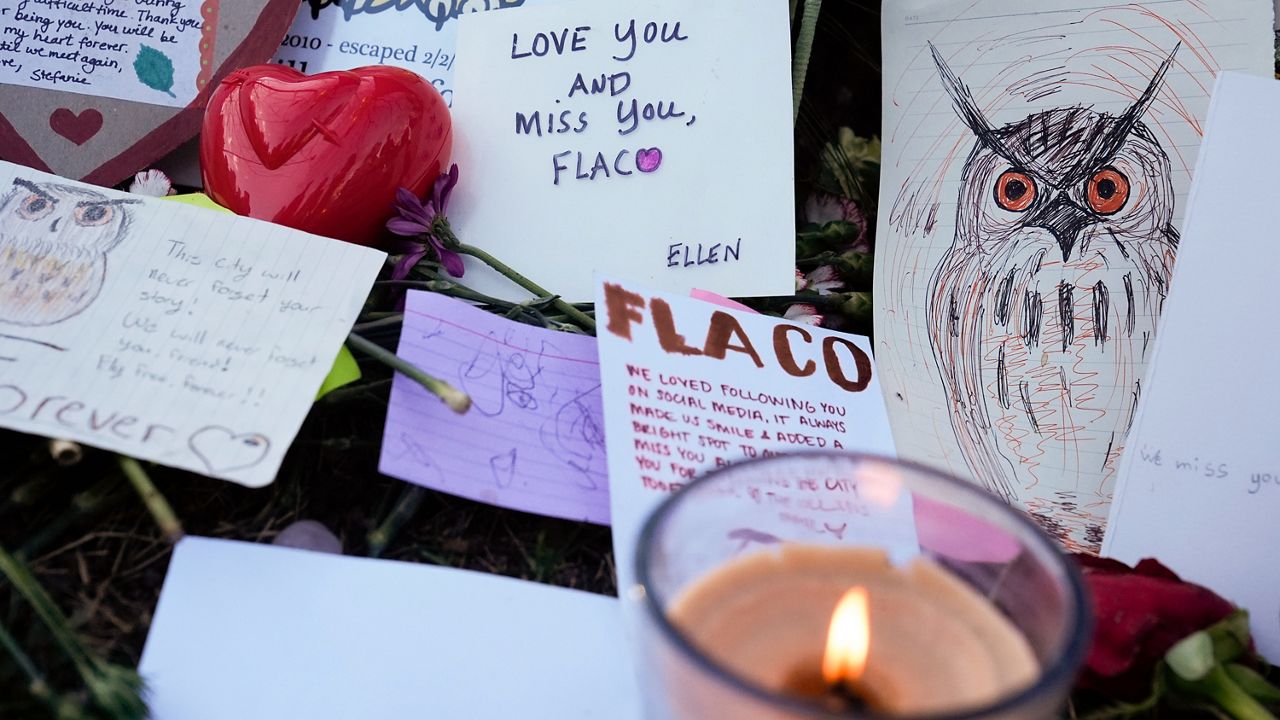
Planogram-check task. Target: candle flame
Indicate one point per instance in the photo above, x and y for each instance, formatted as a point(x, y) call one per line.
point(849, 639)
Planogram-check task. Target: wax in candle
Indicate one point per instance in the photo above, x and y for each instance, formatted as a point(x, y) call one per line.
point(936, 644)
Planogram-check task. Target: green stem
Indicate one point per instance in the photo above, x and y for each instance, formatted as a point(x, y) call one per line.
point(577, 315)
point(29, 588)
point(1253, 683)
point(155, 502)
point(804, 48)
point(36, 683)
point(457, 400)
point(103, 494)
point(406, 505)
point(1219, 687)
point(389, 321)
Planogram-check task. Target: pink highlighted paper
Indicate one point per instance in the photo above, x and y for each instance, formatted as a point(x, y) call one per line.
point(534, 438)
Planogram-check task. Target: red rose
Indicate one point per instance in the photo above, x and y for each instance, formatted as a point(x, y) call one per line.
point(1141, 612)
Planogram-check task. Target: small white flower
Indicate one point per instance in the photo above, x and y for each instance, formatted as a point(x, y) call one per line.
point(153, 183)
point(823, 280)
point(804, 313)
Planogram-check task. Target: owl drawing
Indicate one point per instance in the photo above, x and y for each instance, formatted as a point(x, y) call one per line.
point(54, 241)
point(1042, 313)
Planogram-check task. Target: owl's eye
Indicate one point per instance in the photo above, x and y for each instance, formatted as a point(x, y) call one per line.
point(1108, 190)
point(1015, 191)
point(93, 215)
point(35, 206)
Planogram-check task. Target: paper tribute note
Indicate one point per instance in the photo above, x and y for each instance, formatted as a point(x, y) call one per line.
point(417, 35)
point(192, 338)
point(690, 387)
point(648, 138)
point(150, 51)
point(1199, 484)
point(534, 437)
point(257, 632)
point(1036, 163)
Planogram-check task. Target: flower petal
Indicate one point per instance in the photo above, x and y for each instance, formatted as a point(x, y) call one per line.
point(406, 263)
point(411, 208)
point(443, 189)
point(153, 183)
point(408, 228)
point(452, 262)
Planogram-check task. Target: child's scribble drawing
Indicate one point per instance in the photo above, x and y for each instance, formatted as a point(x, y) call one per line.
point(54, 241)
point(1041, 314)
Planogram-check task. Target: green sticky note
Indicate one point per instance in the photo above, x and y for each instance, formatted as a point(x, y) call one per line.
point(197, 199)
point(345, 370)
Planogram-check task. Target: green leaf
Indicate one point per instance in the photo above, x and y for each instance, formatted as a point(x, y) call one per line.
point(154, 69)
point(1253, 683)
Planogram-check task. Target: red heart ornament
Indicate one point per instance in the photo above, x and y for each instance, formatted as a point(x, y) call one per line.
point(323, 153)
point(76, 128)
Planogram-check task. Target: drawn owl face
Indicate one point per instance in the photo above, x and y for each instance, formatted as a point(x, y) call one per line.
point(1062, 177)
point(65, 216)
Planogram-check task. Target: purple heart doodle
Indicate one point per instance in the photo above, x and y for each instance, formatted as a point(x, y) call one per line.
point(648, 159)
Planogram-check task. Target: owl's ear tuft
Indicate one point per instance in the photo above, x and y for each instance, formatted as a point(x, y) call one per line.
point(1124, 124)
point(967, 108)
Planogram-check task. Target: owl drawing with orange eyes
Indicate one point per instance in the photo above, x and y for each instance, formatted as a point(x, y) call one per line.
point(54, 241)
point(1042, 313)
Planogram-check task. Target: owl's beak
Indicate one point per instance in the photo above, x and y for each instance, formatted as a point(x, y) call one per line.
point(53, 226)
point(1065, 220)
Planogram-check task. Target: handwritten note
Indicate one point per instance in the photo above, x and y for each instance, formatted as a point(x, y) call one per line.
point(652, 138)
point(1199, 485)
point(690, 386)
point(420, 35)
point(257, 632)
point(1036, 162)
point(534, 438)
point(151, 51)
point(193, 338)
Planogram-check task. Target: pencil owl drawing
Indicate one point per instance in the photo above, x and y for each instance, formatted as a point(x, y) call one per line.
point(1042, 313)
point(54, 241)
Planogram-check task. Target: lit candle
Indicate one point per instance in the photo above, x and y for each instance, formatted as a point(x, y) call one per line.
point(843, 626)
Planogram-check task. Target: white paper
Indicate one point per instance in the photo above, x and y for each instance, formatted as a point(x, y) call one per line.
point(418, 35)
point(137, 50)
point(192, 338)
point(702, 198)
point(1199, 485)
point(1024, 375)
point(673, 413)
point(257, 632)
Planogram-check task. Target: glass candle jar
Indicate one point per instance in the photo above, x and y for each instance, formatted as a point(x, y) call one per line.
point(968, 610)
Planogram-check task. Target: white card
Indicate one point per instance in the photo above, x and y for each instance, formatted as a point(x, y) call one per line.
point(1199, 484)
point(163, 331)
point(690, 386)
point(420, 36)
point(149, 52)
point(665, 155)
point(1013, 330)
point(257, 632)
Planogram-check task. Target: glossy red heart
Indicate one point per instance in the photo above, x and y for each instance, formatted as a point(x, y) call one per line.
point(323, 153)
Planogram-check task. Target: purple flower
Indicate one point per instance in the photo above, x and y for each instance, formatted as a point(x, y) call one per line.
point(423, 221)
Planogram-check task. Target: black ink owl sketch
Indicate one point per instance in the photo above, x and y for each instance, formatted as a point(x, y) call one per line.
point(54, 241)
point(1042, 313)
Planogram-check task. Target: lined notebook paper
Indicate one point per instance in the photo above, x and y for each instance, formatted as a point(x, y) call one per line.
point(163, 331)
point(534, 437)
point(1036, 164)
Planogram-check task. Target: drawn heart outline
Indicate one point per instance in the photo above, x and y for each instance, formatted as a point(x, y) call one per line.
point(76, 128)
point(140, 133)
point(221, 450)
